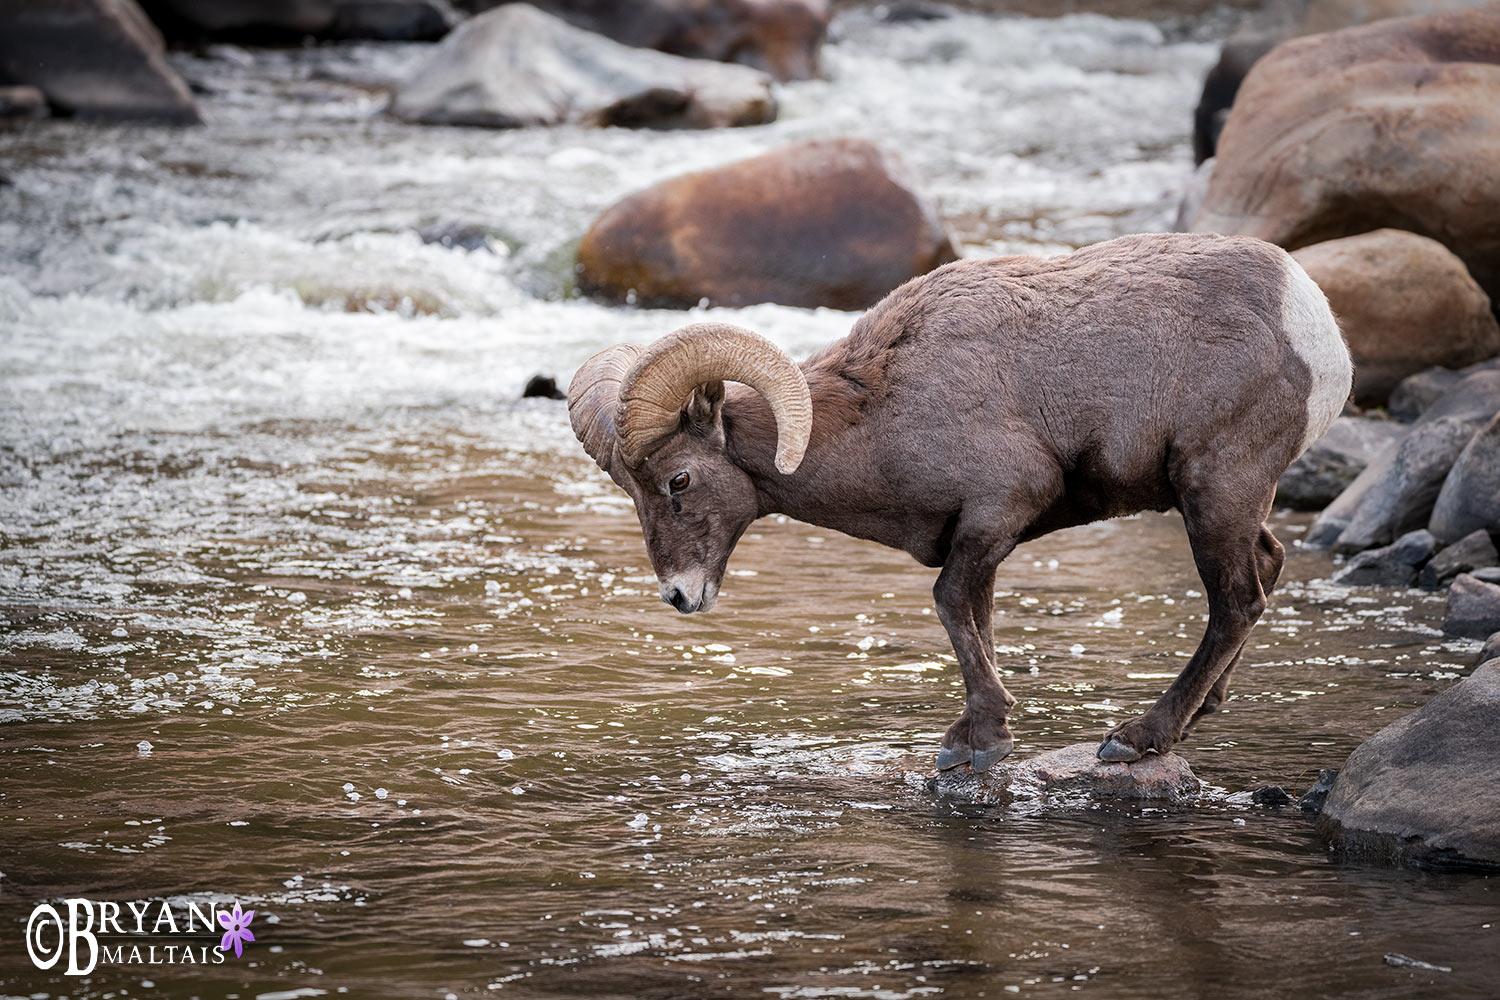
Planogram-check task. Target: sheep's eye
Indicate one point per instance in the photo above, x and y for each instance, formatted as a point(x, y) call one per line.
point(679, 482)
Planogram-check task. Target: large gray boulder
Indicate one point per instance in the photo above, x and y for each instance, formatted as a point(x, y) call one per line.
point(1401, 483)
point(1414, 394)
point(100, 60)
point(1426, 788)
point(1473, 610)
point(1402, 500)
point(1071, 773)
point(1334, 461)
point(1470, 498)
point(515, 66)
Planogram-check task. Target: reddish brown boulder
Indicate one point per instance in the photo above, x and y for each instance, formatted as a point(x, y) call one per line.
point(1405, 303)
point(835, 222)
point(1395, 123)
point(780, 37)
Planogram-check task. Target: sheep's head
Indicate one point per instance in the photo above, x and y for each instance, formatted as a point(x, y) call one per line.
point(652, 418)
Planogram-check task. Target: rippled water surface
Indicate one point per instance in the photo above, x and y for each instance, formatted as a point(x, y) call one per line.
point(300, 605)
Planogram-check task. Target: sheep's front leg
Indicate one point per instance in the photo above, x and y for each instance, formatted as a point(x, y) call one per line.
point(965, 597)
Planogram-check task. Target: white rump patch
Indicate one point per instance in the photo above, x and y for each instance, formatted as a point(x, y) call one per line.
point(1313, 333)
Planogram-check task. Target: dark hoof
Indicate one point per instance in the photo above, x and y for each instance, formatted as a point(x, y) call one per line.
point(951, 757)
point(1115, 751)
point(986, 759)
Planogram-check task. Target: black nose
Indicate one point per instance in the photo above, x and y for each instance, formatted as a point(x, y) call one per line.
point(677, 599)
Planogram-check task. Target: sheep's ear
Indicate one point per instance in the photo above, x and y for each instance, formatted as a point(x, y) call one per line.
point(703, 408)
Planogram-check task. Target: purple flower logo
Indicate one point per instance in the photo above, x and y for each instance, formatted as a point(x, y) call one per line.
point(236, 930)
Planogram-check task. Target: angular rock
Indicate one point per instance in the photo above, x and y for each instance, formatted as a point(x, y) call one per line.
point(516, 66)
point(291, 20)
point(1071, 772)
point(1402, 500)
point(1405, 303)
point(830, 222)
point(23, 102)
point(1491, 649)
point(1334, 461)
point(1473, 610)
point(1395, 123)
point(1414, 394)
point(1426, 788)
point(1472, 401)
point(1487, 574)
point(1470, 498)
point(543, 387)
point(1272, 796)
point(1473, 551)
point(1395, 565)
point(779, 37)
point(94, 59)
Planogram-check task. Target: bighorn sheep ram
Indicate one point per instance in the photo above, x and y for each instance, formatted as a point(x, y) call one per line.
point(984, 404)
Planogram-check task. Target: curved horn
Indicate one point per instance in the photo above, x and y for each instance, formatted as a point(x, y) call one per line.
point(594, 396)
point(652, 392)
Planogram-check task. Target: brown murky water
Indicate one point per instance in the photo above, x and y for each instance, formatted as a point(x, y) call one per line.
point(298, 610)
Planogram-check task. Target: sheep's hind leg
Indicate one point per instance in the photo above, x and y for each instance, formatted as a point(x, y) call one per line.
point(965, 597)
point(1225, 533)
point(1270, 556)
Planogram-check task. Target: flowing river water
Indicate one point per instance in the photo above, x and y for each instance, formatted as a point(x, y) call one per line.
point(302, 606)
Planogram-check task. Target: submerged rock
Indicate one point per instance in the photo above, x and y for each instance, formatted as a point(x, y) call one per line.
point(1073, 771)
point(1271, 796)
point(1334, 461)
point(1473, 612)
point(1312, 800)
point(1426, 789)
point(1405, 303)
point(95, 59)
point(516, 66)
point(830, 222)
point(1473, 551)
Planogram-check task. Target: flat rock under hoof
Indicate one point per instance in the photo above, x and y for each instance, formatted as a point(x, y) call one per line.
point(1071, 773)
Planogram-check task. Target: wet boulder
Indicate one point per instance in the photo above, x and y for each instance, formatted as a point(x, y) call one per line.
point(1473, 610)
point(1473, 551)
point(1405, 304)
point(515, 66)
point(1401, 500)
point(290, 20)
point(101, 60)
point(1394, 565)
point(1334, 461)
point(1071, 773)
point(830, 222)
point(1312, 800)
point(779, 37)
point(1470, 498)
point(1395, 123)
point(1426, 788)
point(1396, 491)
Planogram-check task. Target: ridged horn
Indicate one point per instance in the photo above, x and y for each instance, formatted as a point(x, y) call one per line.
point(654, 389)
point(594, 398)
